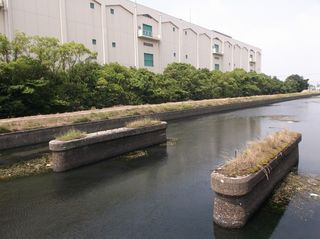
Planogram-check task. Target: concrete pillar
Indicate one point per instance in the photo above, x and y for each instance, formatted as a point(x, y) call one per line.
point(63, 21)
point(211, 56)
point(135, 37)
point(197, 50)
point(8, 19)
point(104, 33)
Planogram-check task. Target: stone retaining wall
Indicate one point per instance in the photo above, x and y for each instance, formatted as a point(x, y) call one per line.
point(104, 144)
point(237, 198)
point(37, 136)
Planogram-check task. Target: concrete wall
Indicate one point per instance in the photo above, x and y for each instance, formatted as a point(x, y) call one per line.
point(245, 59)
point(2, 22)
point(84, 24)
point(252, 60)
point(258, 62)
point(169, 47)
point(205, 54)
point(236, 56)
point(227, 57)
point(120, 31)
point(36, 17)
point(189, 47)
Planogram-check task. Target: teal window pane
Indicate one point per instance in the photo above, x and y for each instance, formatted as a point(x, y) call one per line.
point(148, 59)
point(147, 30)
point(216, 67)
point(216, 47)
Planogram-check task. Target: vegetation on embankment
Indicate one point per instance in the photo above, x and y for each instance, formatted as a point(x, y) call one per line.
point(44, 121)
point(40, 75)
point(258, 154)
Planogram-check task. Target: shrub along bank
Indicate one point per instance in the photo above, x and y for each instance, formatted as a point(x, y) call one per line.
point(39, 75)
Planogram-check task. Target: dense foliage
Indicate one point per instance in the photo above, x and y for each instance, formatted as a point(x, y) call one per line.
point(39, 75)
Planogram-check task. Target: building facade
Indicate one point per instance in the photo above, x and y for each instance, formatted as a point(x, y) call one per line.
point(128, 33)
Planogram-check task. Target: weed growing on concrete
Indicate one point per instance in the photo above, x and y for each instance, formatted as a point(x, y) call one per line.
point(142, 123)
point(71, 135)
point(258, 154)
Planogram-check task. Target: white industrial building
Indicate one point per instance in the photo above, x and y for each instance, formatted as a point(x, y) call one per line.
point(128, 33)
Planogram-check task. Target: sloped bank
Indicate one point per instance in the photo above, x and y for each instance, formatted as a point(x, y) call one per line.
point(102, 145)
point(43, 135)
point(238, 196)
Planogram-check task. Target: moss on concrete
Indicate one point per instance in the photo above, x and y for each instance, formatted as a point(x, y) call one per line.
point(26, 168)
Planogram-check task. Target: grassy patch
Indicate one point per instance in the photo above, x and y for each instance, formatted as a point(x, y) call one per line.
point(142, 123)
point(82, 120)
point(258, 154)
point(26, 168)
point(71, 134)
point(4, 129)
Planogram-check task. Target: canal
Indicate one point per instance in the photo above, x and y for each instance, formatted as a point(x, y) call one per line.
point(166, 194)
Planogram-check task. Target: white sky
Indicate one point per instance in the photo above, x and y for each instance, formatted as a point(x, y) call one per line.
point(287, 31)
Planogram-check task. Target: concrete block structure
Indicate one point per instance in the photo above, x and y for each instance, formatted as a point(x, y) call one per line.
point(104, 145)
point(128, 33)
point(238, 198)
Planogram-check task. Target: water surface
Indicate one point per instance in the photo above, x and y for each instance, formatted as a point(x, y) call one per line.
point(166, 194)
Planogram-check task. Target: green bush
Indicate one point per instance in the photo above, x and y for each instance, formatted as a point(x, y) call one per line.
point(39, 75)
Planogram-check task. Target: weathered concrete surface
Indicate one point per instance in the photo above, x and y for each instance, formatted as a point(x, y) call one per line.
point(237, 199)
point(104, 144)
point(37, 136)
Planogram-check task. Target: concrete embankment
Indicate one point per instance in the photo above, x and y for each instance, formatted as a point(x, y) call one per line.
point(42, 135)
point(237, 198)
point(103, 145)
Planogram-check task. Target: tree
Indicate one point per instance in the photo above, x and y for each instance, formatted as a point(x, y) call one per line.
point(296, 83)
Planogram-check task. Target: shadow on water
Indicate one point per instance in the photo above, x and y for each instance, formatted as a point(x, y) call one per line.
point(12, 156)
point(75, 182)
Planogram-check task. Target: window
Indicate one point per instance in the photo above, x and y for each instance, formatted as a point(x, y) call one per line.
point(92, 5)
point(174, 54)
point(217, 58)
point(148, 44)
point(216, 67)
point(94, 42)
point(111, 10)
point(174, 29)
point(147, 30)
point(216, 48)
point(186, 56)
point(148, 59)
point(114, 44)
point(185, 33)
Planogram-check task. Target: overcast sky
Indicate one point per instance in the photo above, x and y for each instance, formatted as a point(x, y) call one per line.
point(287, 31)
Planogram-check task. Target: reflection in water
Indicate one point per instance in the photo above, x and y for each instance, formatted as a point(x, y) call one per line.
point(12, 156)
point(109, 172)
point(166, 194)
point(261, 226)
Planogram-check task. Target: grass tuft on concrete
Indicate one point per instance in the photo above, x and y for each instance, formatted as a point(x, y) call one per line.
point(142, 123)
point(71, 135)
point(258, 154)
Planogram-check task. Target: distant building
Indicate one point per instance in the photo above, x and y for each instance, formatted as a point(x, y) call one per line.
point(128, 33)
